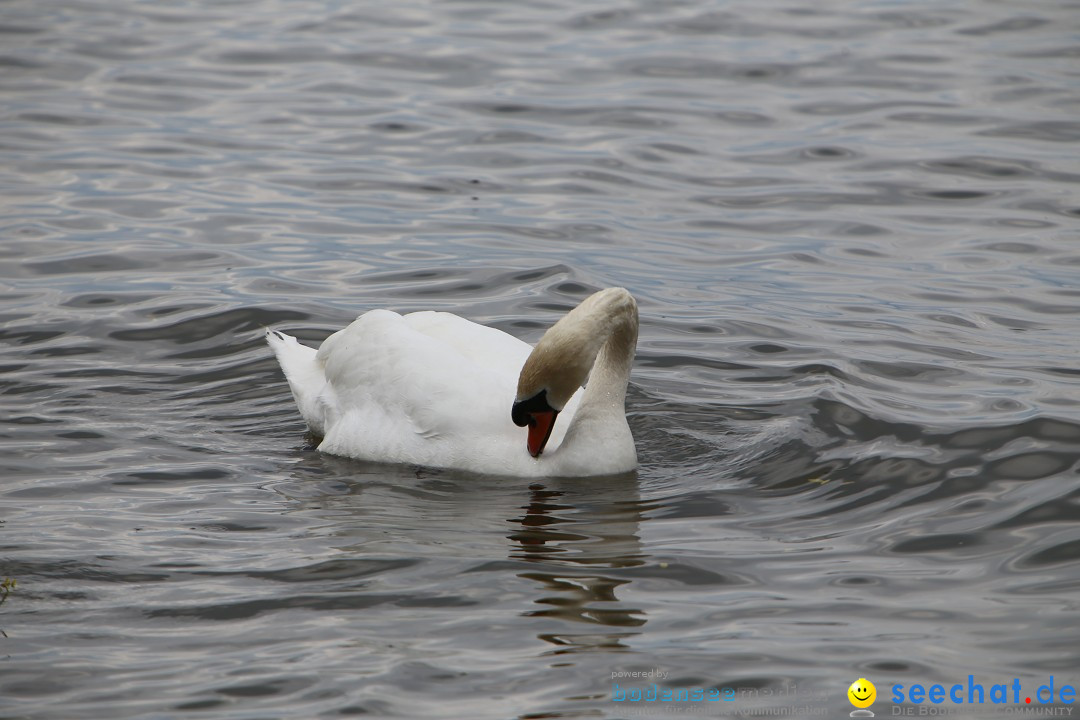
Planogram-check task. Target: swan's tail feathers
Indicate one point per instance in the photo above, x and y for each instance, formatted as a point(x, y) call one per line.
point(305, 376)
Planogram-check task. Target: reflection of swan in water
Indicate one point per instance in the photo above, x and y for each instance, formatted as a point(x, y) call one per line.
point(582, 539)
point(441, 539)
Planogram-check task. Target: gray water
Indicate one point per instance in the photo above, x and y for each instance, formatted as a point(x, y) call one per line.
point(852, 229)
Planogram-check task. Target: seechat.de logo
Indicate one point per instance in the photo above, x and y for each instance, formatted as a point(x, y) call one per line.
point(862, 694)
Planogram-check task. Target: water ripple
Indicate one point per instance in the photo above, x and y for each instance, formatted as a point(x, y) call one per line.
point(851, 231)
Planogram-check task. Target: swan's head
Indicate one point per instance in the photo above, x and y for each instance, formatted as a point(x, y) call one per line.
point(536, 413)
point(550, 377)
point(560, 363)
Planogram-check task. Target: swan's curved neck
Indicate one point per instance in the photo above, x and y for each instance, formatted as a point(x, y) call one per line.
point(595, 340)
point(606, 388)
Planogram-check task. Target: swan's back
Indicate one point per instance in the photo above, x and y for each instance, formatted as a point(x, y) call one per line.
point(427, 388)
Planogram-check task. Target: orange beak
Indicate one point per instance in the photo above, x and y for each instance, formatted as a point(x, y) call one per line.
point(540, 425)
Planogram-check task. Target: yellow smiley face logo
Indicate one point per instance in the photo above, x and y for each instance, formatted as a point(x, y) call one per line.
point(862, 693)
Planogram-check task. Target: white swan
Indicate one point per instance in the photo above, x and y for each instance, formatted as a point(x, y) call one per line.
point(431, 388)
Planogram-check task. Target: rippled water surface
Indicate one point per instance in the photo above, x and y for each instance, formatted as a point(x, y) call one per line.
point(852, 229)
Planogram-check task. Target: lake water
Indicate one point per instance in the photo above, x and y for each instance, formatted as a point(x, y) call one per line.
point(852, 228)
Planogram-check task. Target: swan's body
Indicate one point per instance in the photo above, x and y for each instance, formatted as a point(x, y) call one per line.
point(431, 388)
